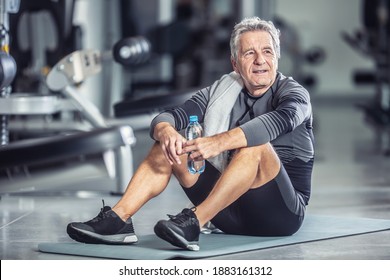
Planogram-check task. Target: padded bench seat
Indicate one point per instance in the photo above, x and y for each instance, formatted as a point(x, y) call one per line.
point(56, 148)
point(150, 104)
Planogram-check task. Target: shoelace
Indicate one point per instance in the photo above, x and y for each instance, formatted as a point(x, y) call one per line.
point(181, 217)
point(101, 215)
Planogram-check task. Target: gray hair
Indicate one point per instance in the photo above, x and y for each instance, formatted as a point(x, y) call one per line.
point(254, 24)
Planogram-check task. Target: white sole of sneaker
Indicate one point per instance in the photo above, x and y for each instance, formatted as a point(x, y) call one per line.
point(105, 239)
point(193, 247)
point(175, 239)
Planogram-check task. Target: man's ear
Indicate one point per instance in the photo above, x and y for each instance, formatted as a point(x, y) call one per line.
point(234, 64)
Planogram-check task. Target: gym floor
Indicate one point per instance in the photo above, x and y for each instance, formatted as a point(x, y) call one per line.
point(351, 178)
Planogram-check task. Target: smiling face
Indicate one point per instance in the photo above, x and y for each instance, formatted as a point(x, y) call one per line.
point(256, 62)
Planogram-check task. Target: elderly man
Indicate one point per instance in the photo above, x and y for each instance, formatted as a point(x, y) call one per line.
point(258, 147)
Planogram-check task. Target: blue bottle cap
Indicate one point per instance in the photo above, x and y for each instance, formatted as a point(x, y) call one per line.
point(193, 118)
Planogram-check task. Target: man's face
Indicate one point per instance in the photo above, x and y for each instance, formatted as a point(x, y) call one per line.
point(257, 61)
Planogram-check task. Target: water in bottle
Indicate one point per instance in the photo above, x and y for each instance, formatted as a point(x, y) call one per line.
point(194, 130)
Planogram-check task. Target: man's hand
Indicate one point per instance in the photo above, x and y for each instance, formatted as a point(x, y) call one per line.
point(208, 147)
point(171, 142)
point(203, 147)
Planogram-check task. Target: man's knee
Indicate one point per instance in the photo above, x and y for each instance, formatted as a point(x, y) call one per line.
point(157, 159)
point(264, 158)
point(252, 153)
point(256, 153)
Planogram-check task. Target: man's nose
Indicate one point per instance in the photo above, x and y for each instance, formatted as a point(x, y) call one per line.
point(259, 59)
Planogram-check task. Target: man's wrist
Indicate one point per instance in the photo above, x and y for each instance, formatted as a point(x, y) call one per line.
point(158, 128)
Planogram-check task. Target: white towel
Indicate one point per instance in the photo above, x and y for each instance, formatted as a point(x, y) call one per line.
point(223, 95)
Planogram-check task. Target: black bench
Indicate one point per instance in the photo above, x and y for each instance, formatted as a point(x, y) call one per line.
point(57, 148)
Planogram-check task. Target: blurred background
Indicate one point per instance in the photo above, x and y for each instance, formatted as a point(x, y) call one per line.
point(82, 79)
point(191, 39)
point(190, 42)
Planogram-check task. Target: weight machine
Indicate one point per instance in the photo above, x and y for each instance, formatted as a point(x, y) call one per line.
point(373, 41)
point(114, 142)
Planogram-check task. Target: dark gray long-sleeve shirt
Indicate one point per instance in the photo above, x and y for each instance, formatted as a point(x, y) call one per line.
point(281, 116)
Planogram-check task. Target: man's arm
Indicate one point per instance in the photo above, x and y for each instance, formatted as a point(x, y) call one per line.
point(208, 147)
point(178, 117)
point(293, 108)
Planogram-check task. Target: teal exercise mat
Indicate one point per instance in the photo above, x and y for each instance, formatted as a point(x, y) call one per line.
point(150, 247)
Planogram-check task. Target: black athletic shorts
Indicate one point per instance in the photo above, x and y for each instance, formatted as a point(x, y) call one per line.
point(274, 209)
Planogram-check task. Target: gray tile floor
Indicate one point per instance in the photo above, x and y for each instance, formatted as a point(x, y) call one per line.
point(351, 178)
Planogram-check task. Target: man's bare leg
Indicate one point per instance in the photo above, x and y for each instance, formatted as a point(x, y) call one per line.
point(250, 168)
point(149, 180)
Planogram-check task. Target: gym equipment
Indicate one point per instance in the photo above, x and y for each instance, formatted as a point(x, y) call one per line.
point(7, 63)
point(314, 228)
point(40, 32)
point(373, 41)
point(7, 69)
point(132, 51)
point(294, 57)
point(152, 105)
point(172, 39)
point(113, 141)
point(56, 148)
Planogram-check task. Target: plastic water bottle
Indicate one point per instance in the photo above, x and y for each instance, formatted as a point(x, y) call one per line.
point(194, 130)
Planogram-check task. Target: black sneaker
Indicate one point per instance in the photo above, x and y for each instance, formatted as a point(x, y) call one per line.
point(181, 230)
point(105, 228)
